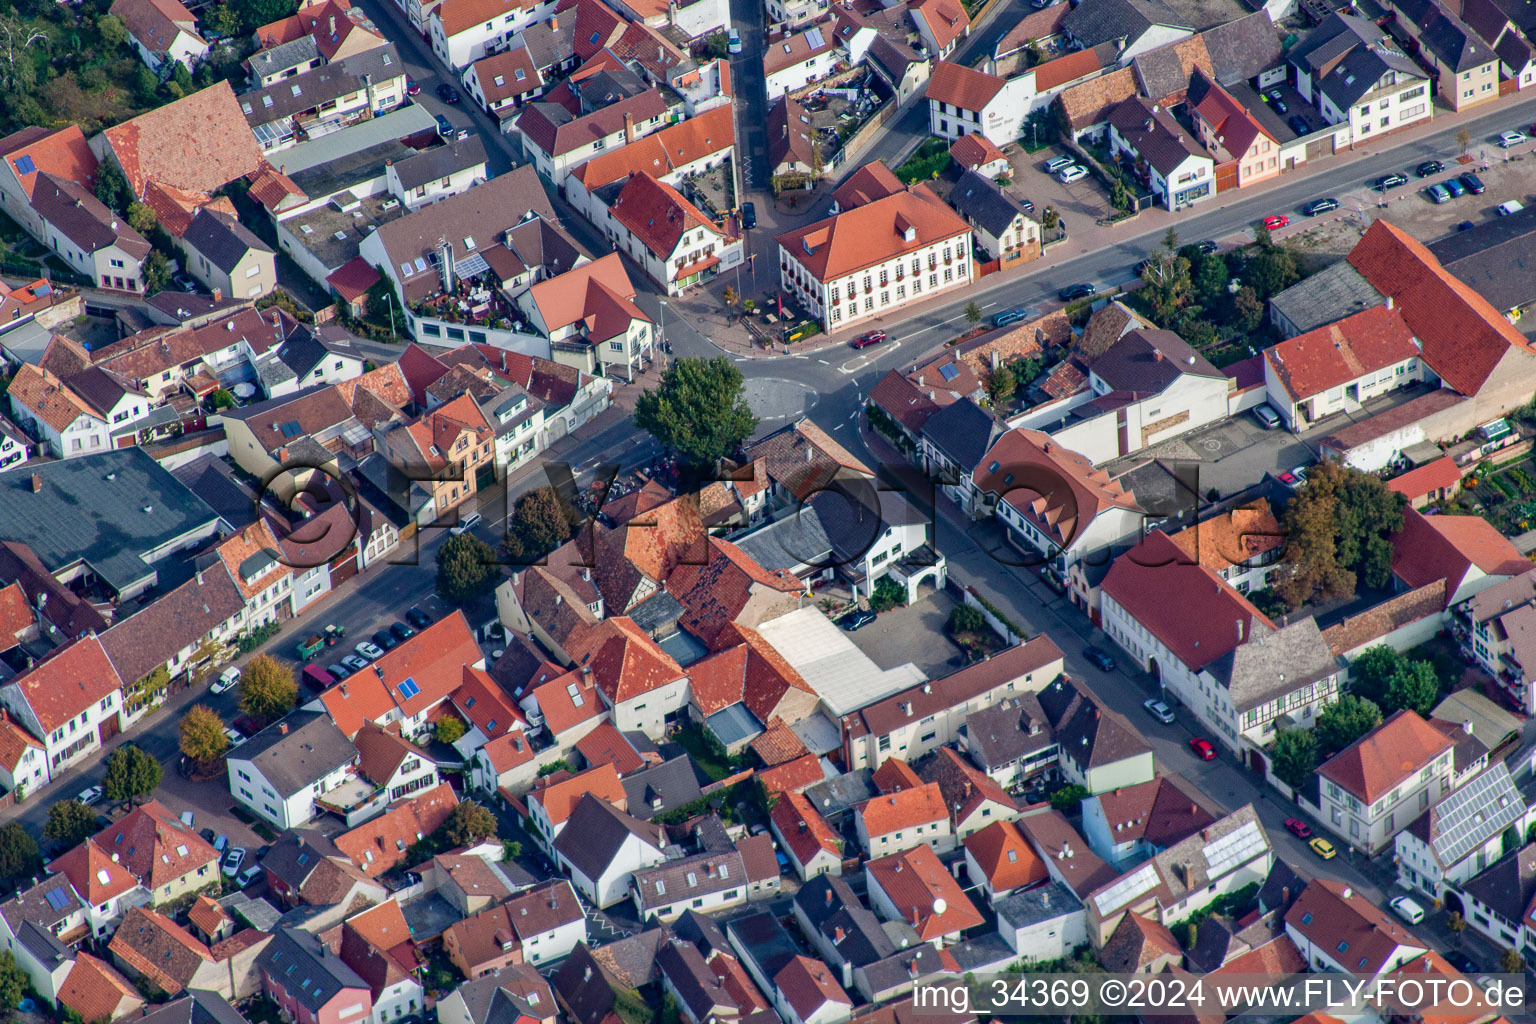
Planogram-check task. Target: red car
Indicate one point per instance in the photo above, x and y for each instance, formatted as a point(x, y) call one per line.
point(872, 338)
point(411, 88)
point(1279, 221)
point(1203, 749)
point(1298, 828)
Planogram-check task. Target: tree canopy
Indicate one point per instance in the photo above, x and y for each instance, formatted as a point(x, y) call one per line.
point(69, 822)
point(466, 568)
point(1338, 530)
point(541, 522)
point(131, 774)
point(19, 855)
point(1414, 686)
point(1293, 757)
point(699, 409)
point(468, 823)
point(267, 689)
point(203, 740)
point(13, 981)
point(1344, 721)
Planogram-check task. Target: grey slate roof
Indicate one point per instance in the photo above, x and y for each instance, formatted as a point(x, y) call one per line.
point(37, 904)
point(1090, 735)
point(852, 525)
point(703, 931)
point(297, 751)
point(984, 205)
point(1271, 665)
point(963, 431)
point(764, 941)
point(838, 795)
point(222, 238)
point(833, 909)
point(92, 509)
point(198, 1006)
point(325, 973)
point(1147, 361)
point(548, 43)
point(296, 53)
point(1453, 43)
point(661, 788)
point(305, 91)
point(1241, 49)
point(1497, 258)
point(1507, 886)
point(1154, 134)
point(596, 830)
point(1008, 731)
point(44, 946)
point(79, 216)
point(1093, 22)
point(441, 161)
point(1347, 55)
point(905, 967)
point(688, 878)
point(789, 542)
point(1331, 294)
point(690, 977)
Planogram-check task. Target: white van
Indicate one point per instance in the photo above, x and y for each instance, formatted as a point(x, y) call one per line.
point(1406, 909)
point(1513, 206)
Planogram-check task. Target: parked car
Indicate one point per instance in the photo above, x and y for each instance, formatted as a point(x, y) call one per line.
point(1009, 316)
point(866, 340)
point(385, 639)
point(1298, 124)
point(89, 795)
point(748, 215)
point(466, 524)
point(1390, 181)
point(1141, 268)
point(1438, 194)
point(1507, 208)
point(1473, 183)
point(227, 679)
point(355, 662)
point(234, 737)
point(220, 843)
point(1073, 292)
point(1279, 220)
point(338, 672)
point(402, 631)
point(185, 282)
point(1318, 206)
point(733, 41)
point(1404, 907)
point(1058, 163)
point(444, 126)
point(447, 93)
point(1294, 478)
point(1429, 167)
point(1267, 417)
point(412, 87)
point(1461, 962)
point(369, 651)
point(1323, 848)
point(1465, 225)
point(418, 618)
point(249, 876)
point(1077, 172)
point(1454, 187)
point(1206, 247)
point(1508, 139)
point(1100, 658)
point(859, 619)
point(1158, 710)
point(232, 861)
point(1298, 828)
point(1203, 748)
point(1278, 103)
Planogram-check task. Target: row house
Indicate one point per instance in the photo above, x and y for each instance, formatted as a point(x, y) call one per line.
point(1178, 170)
point(670, 155)
point(1497, 902)
point(1361, 83)
point(1340, 367)
point(30, 156)
point(437, 173)
point(861, 263)
point(71, 701)
point(589, 316)
point(793, 61)
point(1003, 227)
point(162, 31)
point(1488, 627)
point(94, 241)
point(463, 31)
point(964, 101)
point(676, 243)
point(325, 99)
point(285, 771)
point(558, 140)
point(1465, 62)
point(1241, 545)
point(56, 416)
point(1466, 831)
point(449, 452)
point(1240, 144)
point(404, 688)
point(503, 82)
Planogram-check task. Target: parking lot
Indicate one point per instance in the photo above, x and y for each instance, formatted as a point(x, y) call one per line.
point(1080, 204)
point(914, 633)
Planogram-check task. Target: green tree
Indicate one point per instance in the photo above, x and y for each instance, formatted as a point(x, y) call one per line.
point(887, 594)
point(1511, 962)
point(1338, 529)
point(1068, 799)
point(156, 271)
point(541, 522)
point(965, 619)
point(222, 21)
point(13, 981)
point(1002, 385)
point(468, 823)
point(19, 856)
point(1166, 286)
point(255, 13)
point(381, 304)
point(267, 689)
point(973, 312)
point(1210, 280)
point(1455, 923)
point(511, 849)
point(1344, 721)
point(112, 186)
point(1293, 757)
point(70, 823)
point(1463, 139)
point(699, 409)
point(450, 729)
point(1026, 370)
point(202, 736)
point(1414, 686)
point(1247, 310)
point(466, 568)
point(1373, 670)
point(1272, 270)
point(131, 774)
point(112, 31)
point(562, 765)
point(1119, 195)
point(141, 217)
point(221, 399)
point(730, 298)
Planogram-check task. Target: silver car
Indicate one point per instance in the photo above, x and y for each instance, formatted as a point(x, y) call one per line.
point(1160, 711)
point(371, 651)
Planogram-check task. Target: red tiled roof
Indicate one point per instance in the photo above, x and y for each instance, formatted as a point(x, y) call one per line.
point(778, 744)
point(946, 19)
point(606, 745)
point(1229, 121)
point(93, 873)
point(379, 844)
point(963, 87)
point(153, 844)
point(508, 751)
point(662, 152)
point(1005, 857)
point(47, 397)
point(1193, 612)
point(1331, 356)
point(433, 660)
point(1029, 471)
point(15, 741)
point(974, 150)
point(1335, 914)
point(64, 153)
point(1058, 72)
point(625, 662)
point(1355, 631)
point(96, 992)
point(559, 798)
point(658, 215)
point(207, 915)
point(803, 829)
point(353, 278)
point(807, 985)
point(1235, 537)
point(907, 403)
point(199, 142)
point(904, 809)
point(792, 776)
point(895, 775)
point(915, 882)
point(67, 682)
point(1463, 336)
point(865, 185)
point(1387, 755)
point(873, 233)
point(480, 700)
point(1426, 479)
point(557, 701)
point(1430, 548)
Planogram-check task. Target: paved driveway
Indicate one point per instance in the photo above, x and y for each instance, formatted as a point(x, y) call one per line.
point(914, 633)
point(1081, 203)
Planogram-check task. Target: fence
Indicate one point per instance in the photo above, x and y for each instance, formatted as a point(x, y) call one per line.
point(991, 615)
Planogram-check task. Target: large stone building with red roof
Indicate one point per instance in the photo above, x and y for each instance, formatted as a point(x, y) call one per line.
point(1376, 786)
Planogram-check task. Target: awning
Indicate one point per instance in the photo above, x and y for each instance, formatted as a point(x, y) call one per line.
point(696, 268)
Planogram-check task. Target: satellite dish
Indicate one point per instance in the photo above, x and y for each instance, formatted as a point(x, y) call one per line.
point(939, 906)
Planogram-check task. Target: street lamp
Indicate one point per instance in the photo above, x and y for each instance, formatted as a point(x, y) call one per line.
point(662, 330)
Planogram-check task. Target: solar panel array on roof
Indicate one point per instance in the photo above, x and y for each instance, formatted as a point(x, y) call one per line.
point(815, 38)
point(1142, 880)
point(1476, 812)
point(949, 371)
point(24, 165)
point(291, 429)
point(58, 898)
point(408, 688)
point(1236, 847)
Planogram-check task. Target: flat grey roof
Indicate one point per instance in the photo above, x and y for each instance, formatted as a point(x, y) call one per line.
point(397, 124)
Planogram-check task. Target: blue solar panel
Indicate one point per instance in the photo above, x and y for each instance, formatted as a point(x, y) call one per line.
point(24, 165)
point(58, 899)
point(409, 688)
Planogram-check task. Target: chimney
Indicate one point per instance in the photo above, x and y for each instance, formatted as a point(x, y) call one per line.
point(1466, 726)
point(218, 295)
point(1285, 894)
point(837, 934)
point(1157, 354)
point(37, 483)
point(1389, 302)
point(554, 23)
point(629, 128)
point(282, 728)
point(828, 899)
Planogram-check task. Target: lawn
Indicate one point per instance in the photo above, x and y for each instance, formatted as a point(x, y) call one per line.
point(931, 160)
point(705, 751)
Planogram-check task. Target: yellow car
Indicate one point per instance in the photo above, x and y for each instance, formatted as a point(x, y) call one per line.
point(1323, 848)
